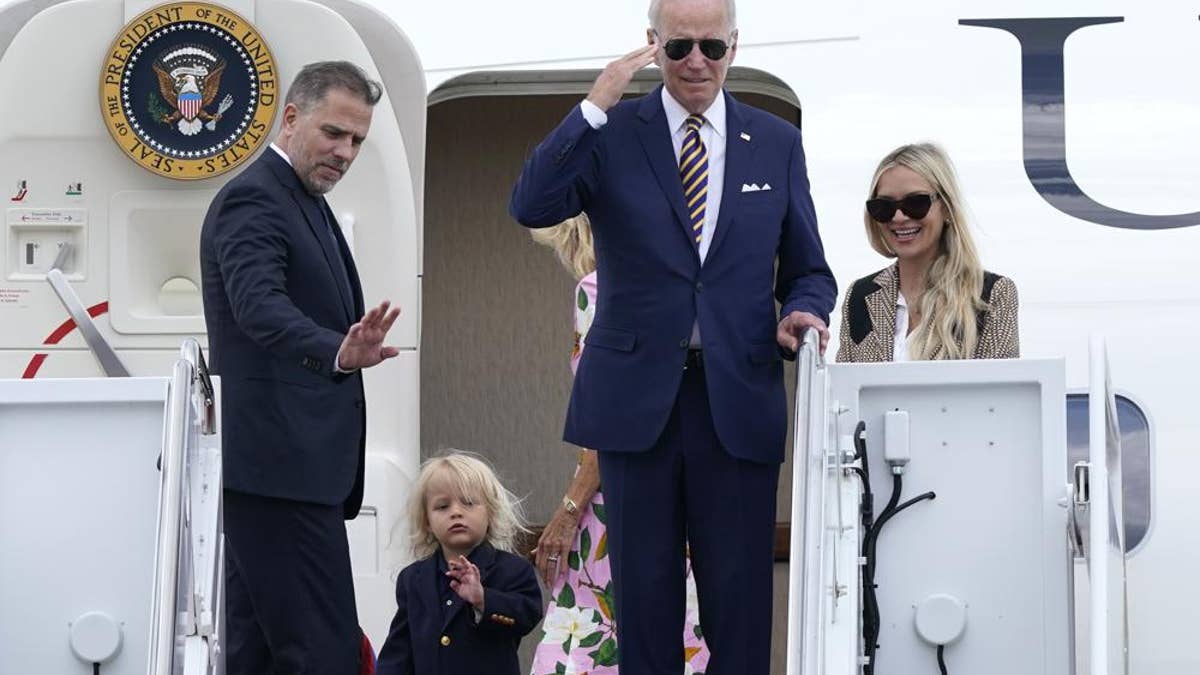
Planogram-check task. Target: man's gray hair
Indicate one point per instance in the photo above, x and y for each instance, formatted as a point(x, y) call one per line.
point(316, 79)
point(655, 13)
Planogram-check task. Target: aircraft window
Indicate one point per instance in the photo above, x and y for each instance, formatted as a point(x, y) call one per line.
point(1135, 460)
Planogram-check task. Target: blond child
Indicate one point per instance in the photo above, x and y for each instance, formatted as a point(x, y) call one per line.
point(465, 604)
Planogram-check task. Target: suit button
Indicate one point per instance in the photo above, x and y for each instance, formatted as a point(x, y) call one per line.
point(445, 640)
point(699, 286)
point(683, 343)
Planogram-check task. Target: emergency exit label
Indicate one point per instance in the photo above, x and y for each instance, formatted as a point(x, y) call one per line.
point(47, 216)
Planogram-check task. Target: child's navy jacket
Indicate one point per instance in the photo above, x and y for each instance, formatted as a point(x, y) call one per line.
point(434, 631)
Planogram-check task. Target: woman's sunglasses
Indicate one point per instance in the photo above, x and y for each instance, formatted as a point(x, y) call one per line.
point(712, 48)
point(915, 206)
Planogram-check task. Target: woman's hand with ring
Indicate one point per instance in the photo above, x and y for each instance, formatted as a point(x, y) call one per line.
point(554, 544)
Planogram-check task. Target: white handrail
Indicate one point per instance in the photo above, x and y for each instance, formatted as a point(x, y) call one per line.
point(170, 507)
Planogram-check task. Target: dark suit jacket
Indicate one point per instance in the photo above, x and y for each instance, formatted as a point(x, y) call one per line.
point(429, 637)
point(652, 286)
point(276, 313)
point(869, 319)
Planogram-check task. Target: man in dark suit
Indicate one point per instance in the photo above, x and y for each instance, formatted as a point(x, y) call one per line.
point(281, 299)
point(699, 206)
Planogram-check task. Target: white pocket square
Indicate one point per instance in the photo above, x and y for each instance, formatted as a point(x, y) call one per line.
point(754, 187)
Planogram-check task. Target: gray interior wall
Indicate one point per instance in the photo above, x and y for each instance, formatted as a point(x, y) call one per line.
point(497, 308)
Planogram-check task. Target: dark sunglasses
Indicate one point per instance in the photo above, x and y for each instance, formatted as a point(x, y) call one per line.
point(915, 206)
point(712, 48)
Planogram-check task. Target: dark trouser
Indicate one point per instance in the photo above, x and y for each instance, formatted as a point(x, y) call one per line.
point(687, 486)
point(289, 591)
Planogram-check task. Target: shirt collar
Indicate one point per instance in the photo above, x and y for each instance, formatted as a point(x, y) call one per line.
point(677, 114)
point(282, 154)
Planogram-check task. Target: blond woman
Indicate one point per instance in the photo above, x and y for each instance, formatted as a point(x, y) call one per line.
point(936, 301)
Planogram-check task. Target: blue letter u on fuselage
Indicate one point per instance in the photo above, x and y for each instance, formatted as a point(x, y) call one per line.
point(1042, 107)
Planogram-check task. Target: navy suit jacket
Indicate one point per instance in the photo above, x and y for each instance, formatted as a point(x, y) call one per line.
point(652, 287)
point(428, 637)
point(277, 312)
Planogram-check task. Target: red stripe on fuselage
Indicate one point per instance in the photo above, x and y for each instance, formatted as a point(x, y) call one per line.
point(64, 329)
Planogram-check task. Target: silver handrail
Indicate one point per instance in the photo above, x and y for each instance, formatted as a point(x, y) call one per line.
point(191, 351)
point(110, 363)
point(170, 507)
point(808, 474)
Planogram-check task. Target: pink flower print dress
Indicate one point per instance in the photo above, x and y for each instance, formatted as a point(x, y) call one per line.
point(580, 632)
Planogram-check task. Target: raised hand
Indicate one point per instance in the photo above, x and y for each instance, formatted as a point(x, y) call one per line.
point(363, 346)
point(464, 580)
point(616, 76)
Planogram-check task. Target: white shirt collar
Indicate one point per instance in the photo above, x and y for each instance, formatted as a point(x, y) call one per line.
point(677, 114)
point(282, 154)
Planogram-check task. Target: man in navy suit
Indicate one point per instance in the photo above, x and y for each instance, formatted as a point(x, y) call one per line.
point(282, 302)
point(700, 208)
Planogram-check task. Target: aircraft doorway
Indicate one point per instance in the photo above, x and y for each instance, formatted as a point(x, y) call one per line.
point(496, 307)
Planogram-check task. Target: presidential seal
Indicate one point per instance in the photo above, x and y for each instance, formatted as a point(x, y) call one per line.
point(189, 90)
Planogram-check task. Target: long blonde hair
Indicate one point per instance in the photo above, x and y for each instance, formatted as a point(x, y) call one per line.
point(949, 305)
point(572, 241)
point(471, 477)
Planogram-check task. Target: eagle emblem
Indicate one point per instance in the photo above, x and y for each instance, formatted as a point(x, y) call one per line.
point(189, 80)
point(188, 91)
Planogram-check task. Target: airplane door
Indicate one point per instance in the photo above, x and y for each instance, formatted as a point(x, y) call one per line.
point(78, 173)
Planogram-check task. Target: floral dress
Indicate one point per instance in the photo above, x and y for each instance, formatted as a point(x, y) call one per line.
point(580, 631)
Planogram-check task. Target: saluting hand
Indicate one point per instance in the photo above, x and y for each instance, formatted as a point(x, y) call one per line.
point(616, 76)
point(363, 346)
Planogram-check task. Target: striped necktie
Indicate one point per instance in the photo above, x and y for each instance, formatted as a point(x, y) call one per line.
point(693, 170)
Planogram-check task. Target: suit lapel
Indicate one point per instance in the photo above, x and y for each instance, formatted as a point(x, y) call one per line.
point(738, 153)
point(310, 207)
point(355, 284)
point(655, 137)
point(881, 305)
point(356, 300)
point(430, 588)
point(427, 592)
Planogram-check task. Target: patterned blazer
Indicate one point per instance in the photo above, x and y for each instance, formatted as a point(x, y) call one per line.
point(869, 319)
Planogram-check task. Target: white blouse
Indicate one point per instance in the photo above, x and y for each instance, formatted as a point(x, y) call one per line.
point(900, 341)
